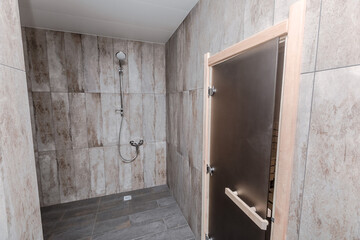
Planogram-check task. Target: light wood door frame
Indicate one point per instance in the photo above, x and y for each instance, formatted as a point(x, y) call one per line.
point(293, 30)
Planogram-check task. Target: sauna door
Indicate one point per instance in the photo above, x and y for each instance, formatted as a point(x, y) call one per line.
point(242, 113)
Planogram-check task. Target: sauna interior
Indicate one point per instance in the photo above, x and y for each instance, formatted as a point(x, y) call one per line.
point(180, 119)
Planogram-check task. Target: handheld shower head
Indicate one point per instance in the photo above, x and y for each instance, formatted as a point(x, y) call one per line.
point(120, 55)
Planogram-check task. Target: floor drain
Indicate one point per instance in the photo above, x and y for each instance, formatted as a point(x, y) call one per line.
point(127, 198)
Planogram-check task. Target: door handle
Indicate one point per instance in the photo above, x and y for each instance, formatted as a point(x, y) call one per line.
point(249, 211)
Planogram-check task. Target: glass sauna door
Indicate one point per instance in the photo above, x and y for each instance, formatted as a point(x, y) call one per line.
point(242, 115)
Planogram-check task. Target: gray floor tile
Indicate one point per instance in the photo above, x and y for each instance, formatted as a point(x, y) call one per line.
point(182, 233)
point(133, 232)
point(151, 214)
point(111, 225)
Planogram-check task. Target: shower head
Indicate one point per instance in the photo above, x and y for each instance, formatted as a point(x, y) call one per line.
point(120, 55)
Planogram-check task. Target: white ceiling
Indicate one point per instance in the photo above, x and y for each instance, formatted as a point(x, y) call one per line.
point(143, 20)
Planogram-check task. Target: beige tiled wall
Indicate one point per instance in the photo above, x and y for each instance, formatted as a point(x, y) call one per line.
point(19, 201)
point(73, 86)
point(323, 198)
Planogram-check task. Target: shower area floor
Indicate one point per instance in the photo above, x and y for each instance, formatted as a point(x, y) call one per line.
point(152, 214)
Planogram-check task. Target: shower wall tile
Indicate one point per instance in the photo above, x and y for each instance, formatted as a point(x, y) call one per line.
point(61, 118)
point(136, 116)
point(77, 108)
point(56, 60)
point(339, 31)
point(148, 109)
point(97, 172)
point(303, 123)
point(134, 61)
point(49, 178)
point(75, 115)
point(111, 162)
point(137, 171)
point(26, 59)
point(74, 62)
point(38, 177)
point(109, 119)
point(332, 172)
point(160, 168)
point(90, 56)
point(106, 59)
point(94, 119)
point(160, 117)
point(32, 119)
point(159, 68)
point(43, 121)
point(38, 62)
point(149, 165)
point(258, 15)
point(10, 40)
point(147, 68)
point(125, 172)
point(66, 171)
point(82, 173)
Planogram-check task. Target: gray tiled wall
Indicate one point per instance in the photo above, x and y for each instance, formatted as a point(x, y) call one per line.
point(73, 88)
point(325, 165)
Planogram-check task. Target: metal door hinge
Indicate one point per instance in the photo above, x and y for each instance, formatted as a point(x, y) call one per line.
point(209, 170)
point(207, 237)
point(211, 91)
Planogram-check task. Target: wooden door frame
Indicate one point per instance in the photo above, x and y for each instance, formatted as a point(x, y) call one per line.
point(293, 30)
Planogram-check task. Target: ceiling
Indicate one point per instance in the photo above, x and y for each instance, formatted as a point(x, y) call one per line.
point(143, 20)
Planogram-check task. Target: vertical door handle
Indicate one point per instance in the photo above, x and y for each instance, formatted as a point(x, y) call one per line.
point(249, 211)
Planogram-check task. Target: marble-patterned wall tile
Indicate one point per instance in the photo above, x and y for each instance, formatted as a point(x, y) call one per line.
point(61, 119)
point(38, 177)
point(111, 166)
point(10, 41)
point(121, 45)
point(32, 118)
point(26, 58)
point(332, 172)
point(136, 116)
point(160, 165)
point(196, 115)
point(148, 121)
point(303, 123)
point(74, 62)
point(77, 108)
point(97, 172)
point(137, 170)
point(56, 60)
point(109, 119)
point(196, 193)
point(38, 62)
point(179, 63)
point(183, 123)
point(134, 61)
point(82, 173)
point(66, 171)
point(43, 121)
point(149, 164)
point(49, 178)
point(258, 16)
point(106, 64)
point(125, 172)
point(90, 55)
point(94, 119)
point(339, 20)
point(160, 117)
point(147, 68)
point(159, 68)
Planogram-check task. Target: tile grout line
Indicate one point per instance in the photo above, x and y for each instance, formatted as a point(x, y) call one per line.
point(330, 69)
point(15, 68)
point(97, 211)
point(309, 126)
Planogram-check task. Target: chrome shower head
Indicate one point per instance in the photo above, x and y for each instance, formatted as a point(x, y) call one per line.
point(120, 55)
